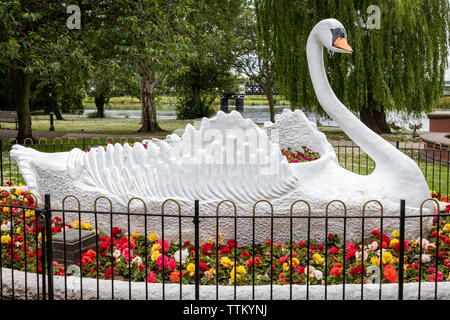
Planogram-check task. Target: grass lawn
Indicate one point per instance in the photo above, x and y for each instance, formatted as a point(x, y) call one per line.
point(168, 102)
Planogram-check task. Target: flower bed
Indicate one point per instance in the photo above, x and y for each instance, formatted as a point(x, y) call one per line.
point(306, 155)
point(122, 256)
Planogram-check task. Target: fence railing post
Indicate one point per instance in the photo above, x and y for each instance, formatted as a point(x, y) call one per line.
point(402, 250)
point(49, 245)
point(197, 249)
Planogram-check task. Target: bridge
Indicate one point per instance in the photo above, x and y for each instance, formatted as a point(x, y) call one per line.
point(245, 90)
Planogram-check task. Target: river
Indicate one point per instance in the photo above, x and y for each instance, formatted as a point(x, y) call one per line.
point(260, 114)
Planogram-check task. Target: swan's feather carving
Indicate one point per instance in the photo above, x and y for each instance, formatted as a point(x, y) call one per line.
point(193, 166)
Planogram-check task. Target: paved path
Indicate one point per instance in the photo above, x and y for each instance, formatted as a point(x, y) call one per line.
point(6, 133)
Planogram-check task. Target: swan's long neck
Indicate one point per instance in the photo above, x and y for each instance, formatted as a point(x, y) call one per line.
point(374, 145)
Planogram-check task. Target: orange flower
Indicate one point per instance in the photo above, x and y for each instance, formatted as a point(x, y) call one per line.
point(175, 276)
point(390, 274)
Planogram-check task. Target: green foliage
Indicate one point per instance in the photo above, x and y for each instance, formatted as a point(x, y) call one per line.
point(400, 66)
point(212, 51)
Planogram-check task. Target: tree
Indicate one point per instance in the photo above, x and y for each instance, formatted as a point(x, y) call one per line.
point(213, 49)
point(150, 37)
point(35, 41)
point(255, 60)
point(397, 67)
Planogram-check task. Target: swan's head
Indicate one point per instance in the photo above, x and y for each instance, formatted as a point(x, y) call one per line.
point(331, 33)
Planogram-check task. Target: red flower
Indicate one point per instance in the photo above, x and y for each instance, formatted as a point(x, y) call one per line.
point(357, 270)
point(116, 231)
point(232, 243)
point(207, 249)
point(109, 273)
point(334, 250)
point(302, 244)
point(397, 246)
point(203, 266)
point(336, 271)
point(224, 250)
point(390, 274)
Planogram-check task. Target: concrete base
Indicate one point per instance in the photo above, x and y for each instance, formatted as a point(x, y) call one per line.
point(172, 291)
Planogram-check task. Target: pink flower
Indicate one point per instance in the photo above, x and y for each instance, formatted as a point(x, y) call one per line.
point(433, 277)
point(159, 262)
point(128, 254)
point(166, 244)
point(172, 264)
point(151, 277)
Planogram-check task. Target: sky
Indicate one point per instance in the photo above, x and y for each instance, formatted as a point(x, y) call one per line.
point(447, 74)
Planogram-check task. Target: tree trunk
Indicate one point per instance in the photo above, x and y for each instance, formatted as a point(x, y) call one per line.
point(22, 99)
point(269, 95)
point(374, 118)
point(100, 104)
point(57, 112)
point(149, 123)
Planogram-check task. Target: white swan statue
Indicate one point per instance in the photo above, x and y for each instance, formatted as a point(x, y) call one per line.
point(229, 157)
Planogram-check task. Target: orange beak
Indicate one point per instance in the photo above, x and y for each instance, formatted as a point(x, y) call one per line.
point(341, 43)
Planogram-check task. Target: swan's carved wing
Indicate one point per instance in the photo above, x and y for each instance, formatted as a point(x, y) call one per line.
point(227, 158)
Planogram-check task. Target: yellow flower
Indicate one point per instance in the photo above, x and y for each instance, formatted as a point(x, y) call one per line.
point(447, 228)
point(191, 269)
point(153, 237)
point(241, 270)
point(5, 209)
point(395, 233)
point(285, 266)
point(18, 192)
point(295, 262)
point(212, 271)
point(393, 243)
point(156, 247)
point(232, 272)
point(76, 224)
point(86, 226)
point(386, 257)
point(29, 213)
point(40, 236)
point(6, 239)
point(318, 258)
point(226, 262)
point(155, 255)
point(135, 234)
point(18, 230)
point(375, 261)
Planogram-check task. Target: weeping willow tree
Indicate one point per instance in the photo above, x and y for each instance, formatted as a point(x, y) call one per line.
point(396, 65)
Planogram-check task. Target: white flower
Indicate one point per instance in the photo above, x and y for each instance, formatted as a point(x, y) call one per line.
point(373, 246)
point(116, 254)
point(137, 260)
point(425, 242)
point(7, 226)
point(426, 258)
point(311, 271)
point(358, 255)
point(318, 274)
point(18, 244)
point(184, 255)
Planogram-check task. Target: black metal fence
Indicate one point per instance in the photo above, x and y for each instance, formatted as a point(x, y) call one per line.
point(30, 234)
point(434, 160)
